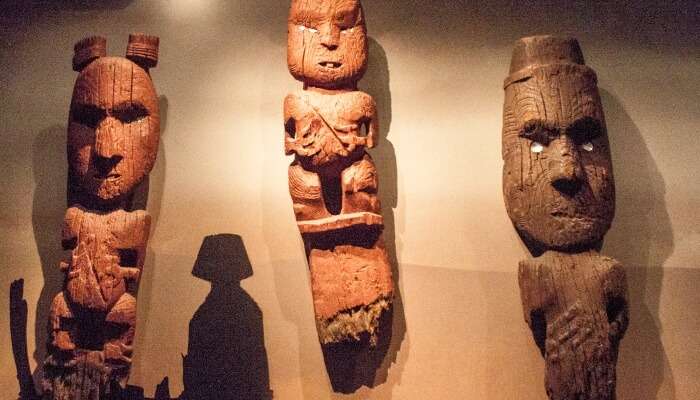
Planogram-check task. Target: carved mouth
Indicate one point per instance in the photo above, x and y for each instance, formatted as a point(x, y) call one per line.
point(570, 215)
point(109, 177)
point(330, 64)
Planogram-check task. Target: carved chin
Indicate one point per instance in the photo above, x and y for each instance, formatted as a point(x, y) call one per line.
point(323, 77)
point(561, 233)
point(109, 189)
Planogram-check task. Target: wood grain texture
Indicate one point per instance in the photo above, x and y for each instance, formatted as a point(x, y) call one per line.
point(333, 180)
point(113, 134)
point(559, 192)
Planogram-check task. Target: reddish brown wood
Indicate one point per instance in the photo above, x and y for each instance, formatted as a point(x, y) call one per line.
point(113, 131)
point(333, 180)
point(559, 192)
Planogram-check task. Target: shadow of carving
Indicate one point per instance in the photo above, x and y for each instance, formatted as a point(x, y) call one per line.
point(353, 365)
point(18, 336)
point(148, 196)
point(642, 239)
point(226, 357)
point(49, 167)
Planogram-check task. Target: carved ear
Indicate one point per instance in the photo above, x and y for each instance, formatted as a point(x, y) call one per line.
point(143, 50)
point(87, 51)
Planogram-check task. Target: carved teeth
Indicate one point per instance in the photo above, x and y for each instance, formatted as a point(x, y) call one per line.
point(330, 64)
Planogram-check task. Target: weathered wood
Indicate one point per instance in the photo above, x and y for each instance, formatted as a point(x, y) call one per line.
point(559, 192)
point(333, 181)
point(113, 131)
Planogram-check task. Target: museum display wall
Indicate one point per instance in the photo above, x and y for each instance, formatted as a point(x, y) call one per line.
point(221, 211)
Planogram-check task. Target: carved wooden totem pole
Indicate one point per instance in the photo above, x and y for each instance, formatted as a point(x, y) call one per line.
point(559, 192)
point(333, 180)
point(113, 132)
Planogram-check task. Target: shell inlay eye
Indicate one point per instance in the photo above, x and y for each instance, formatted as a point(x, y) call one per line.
point(588, 146)
point(536, 147)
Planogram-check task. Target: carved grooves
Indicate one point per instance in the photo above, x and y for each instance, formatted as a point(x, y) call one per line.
point(560, 197)
point(112, 143)
point(332, 181)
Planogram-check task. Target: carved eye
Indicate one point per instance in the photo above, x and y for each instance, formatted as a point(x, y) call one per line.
point(307, 28)
point(536, 147)
point(130, 113)
point(89, 116)
point(588, 146)
point(346, 29)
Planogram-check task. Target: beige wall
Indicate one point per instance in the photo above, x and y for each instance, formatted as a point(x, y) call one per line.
point(436, 71)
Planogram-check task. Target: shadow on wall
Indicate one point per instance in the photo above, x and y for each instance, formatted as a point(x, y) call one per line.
point(18, 336)
point(148, 196)
point(376, 82)
point(353, 365)
point(641, 238)
point(226, 357)
point(49, 167)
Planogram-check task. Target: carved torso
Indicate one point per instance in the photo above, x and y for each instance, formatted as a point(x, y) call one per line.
point(327, 128)
point(109, 249)
point(576, 297)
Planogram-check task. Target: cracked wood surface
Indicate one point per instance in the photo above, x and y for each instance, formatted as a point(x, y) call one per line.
point(333, 180)
point(559, 193)
point(113, 135)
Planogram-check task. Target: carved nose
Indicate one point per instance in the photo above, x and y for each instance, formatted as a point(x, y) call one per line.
point(107, 143)
point(330, 36)
point(105, 165)
point(565, 171)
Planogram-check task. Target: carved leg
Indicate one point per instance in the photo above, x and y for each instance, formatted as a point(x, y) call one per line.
point(121, 321)
point(61, 331)
point(70, 372)
point(360, 187)
point(307, 196)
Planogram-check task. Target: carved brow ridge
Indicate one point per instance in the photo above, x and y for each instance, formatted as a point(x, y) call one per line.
point(124, 105)
point(338, 13)
point(554, 128)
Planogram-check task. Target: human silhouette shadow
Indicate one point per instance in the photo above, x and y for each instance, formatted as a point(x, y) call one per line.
point(226, 357)
point(353, 364)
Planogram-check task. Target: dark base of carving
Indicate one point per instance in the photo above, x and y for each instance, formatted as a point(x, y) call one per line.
point(83, 376)
point(354, 363)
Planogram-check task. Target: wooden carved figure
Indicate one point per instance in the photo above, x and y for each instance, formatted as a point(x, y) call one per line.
point(559, 193)
point(113, 131)
point(333, 180)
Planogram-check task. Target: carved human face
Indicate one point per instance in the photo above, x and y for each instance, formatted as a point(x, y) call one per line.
point(327, 42)
point(557, 175)
point(113, 128)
